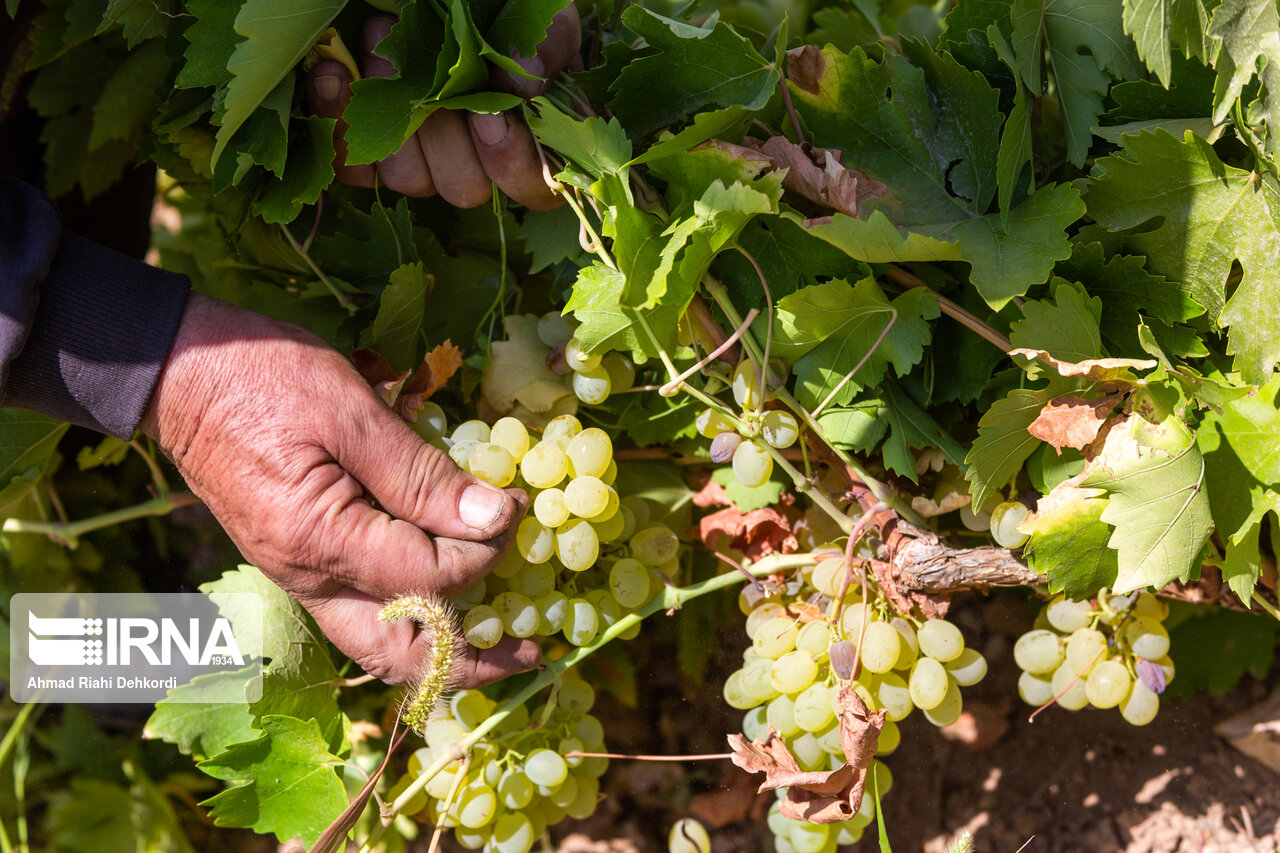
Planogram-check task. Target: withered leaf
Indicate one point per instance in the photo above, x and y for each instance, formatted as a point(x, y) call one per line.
point(754, 533)
point(435, 371)
point(374, 368)
point(1072, 421)
point(1095, 369)
point(817, 174)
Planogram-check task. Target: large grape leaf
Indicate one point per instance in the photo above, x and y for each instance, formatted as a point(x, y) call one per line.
point(139, 19)
point(289, 785)
point(211, 41)
point(930, 133)
point(397, 328)
point(598, 146)
point(27, 442)
point(1003, 442)
point(1086, 46)
point(693, 68)
point(605, 324)
point(1248, 32)
point(276, 36)
point(1214, 648)
point(1154, 478)
point(307, 172)
point(1158, 26)
point(826, 330)
point(1243, 563)
point(1207, 215)
point(1251, 425)
point(1065, 326)
point(197, 718)
point(1068, 542)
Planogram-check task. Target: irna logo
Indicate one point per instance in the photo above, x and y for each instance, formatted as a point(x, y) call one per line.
point(130, 641)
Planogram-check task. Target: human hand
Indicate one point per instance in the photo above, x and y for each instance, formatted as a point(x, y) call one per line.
point(457, 154)
point(280, 436)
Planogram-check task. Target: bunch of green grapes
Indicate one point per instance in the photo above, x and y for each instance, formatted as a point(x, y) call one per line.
point(746, 447)
point(1110, 652)
point(592, 377)
point(520, 779)
point(804, 641)
point(584, 557)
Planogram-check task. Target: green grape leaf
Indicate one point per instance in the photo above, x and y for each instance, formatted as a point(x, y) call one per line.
point(289, 785)
point(1157, 26)
point(128, 100)
point(211, 41)
point(1086, 47)
point(1153, 476)
point(826, 330)
point(1247, 31)
point(1215, 648)
point(1068, 542)
point(397, 328)
point(747, 498)
point(275, 40)
point(1128, 292)
point(789, 256)
point(384, 111)
point(202, 728)
point(653, 419)
point(98, 815)
point(308, 170)
point(550, 237)
point(522, 24)
point(139, 19)
point(1243, 564)
point(1015, 148)
point(858, 427)
point(690, 173)
point(1251, 425)
point(263, 140)
point(109, 451)
point(1066, 326)
point(693, 68)
point(27, 444)
point(600, 147)
point(705, 126)
point(911, 426)
point(370, 246)
point(844, 28)
point(1209, 214)
point(1003, 442)
point(605, 324)
point(903, 134)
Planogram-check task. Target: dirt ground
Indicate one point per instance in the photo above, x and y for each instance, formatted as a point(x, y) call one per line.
point(1083, 781)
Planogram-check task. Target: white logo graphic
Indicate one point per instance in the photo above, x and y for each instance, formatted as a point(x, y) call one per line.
point(44, 651)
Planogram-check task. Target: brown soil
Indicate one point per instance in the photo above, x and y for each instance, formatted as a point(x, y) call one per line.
point(1082, 781)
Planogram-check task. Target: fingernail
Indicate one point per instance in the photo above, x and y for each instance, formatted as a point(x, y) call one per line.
point(481, 505)
point(326, 89)
point(490, 128)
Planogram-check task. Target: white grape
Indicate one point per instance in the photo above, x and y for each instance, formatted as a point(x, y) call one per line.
point(629, 582)
point(510, 434)
point(590, 452)
point(969, 668)
point(576, 544)
point(1084, 648)
point(535, 542)
point(555, 329)
point(472, 430)
point(793, 672)
point(591, 386)
point(1069, 688)
point(561, 429)
point(1067, 615)
point(1005, 519)
point(1141, 705)
point(482, 626)
point(621, 370)
point(1035, 690)
point(688, 836)
point(776, 637)
point(1108, 684)
point(1038, 652)
point(654, 545)
point(752, 464)
point(940, 640)
point(746, 388)
point(519, 616)
point(549, 508)
point(948, 710)
point(579, 359)
point(928, 683)
point(513, 833)
point(780, 429)
point(781, 715)
point(544, 465)
point(493, 464)
point(710, 423)
point(586, 496)
point(545, 768)
point(583, 622)
point(881, 647)
point(1147, 638)
point(812, 708)
point(894, 695)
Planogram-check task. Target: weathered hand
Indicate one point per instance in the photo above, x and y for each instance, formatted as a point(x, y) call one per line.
point(283, 440)
point(456, 154)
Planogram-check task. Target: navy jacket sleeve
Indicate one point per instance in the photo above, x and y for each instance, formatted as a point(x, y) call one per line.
point(84, 331)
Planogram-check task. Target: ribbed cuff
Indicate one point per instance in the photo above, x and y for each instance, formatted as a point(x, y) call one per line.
point(102, 332)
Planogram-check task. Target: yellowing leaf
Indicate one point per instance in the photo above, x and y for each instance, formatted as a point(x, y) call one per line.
point(518, 372)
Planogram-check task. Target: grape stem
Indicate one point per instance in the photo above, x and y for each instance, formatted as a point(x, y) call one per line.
point(448, 803)
point(710, 756)
point(68, 533)
point(677, 383)
point(671, 598)
point(965, 318)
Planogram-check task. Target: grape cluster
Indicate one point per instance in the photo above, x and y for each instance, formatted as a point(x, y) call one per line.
point(1110, 652)
point(584, 557)
point(804, 641)
point(520, 779)
point(591, 376)
point(747, 448)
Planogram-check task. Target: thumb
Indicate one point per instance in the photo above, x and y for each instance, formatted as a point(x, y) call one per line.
point(416, 482)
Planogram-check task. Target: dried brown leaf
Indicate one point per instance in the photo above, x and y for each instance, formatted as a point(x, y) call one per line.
point(817, 174)
point(381, 376)
point(712, 494)
point(755, 533)
point(1072, 421)
point(805, 67)
point(435, 371)
point(1095, 369)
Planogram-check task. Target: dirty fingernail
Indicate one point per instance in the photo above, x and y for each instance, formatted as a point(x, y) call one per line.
point(327, 88)
point(490, 128)
point(481, 505)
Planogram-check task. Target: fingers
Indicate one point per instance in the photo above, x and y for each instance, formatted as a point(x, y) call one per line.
point(459, 176)
point(328, 93)
point(396, 652)
point(555, 52)
point(406, 170)
point(508, 156)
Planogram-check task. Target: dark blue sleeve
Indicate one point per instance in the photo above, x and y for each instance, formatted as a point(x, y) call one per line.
point(84, 331)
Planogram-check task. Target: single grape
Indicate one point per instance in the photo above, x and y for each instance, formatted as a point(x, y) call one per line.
point(948, 710)
point(940, 640)
point(890, 738)
point(533, 581)
point(513, 833)
point(471, 596)
point(1140, 706)
point(1069, 688)
point(629, 582)
point(1085, 648)
point(514, 789)
point(809, 837)
point(1005, 519)
point(688, 836)
point(812, 708)
point(577, 358)
point(607, 608)
point(555, 330)
point(1151, 607)
point(584, 805)
point(808, 752)
point(881, 647)
point(762, 613)
point(1067, 615)
point(553, 612)
point(793, 672)
point(519, 616)
point(565, 792)
point(431, 424)
point(1035, 690)
point(776, 637)
point(472, 430)
point(752, 464)
point(928, 683)
point(969, 668)
point(977, 521)
point(894, 695)
point(757, 682)
point(510, 434)
point(910, 649)
point(545, 768)
point(535, 542)
point(477, 805)
point(591, 386)
point(780, 429)
point(544, 465)
point(549, 508)
point(470, 707)
point(815, 638)
point(828, 576)
point(609, 530)
point(1147, 638)
point(746, 385)
point(781, 715)
point(737, 694)
point(755, 724)
point(576, 544)
point(586, 496)
point(621, 370)
point(589, 452)
point(583, 622)
point(654, 545)
point(561, 429)
point(723, 447)
point(853, 618)
point(482, 626)
point(461, 452)
point(1038, 652)
point(1108, 684)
